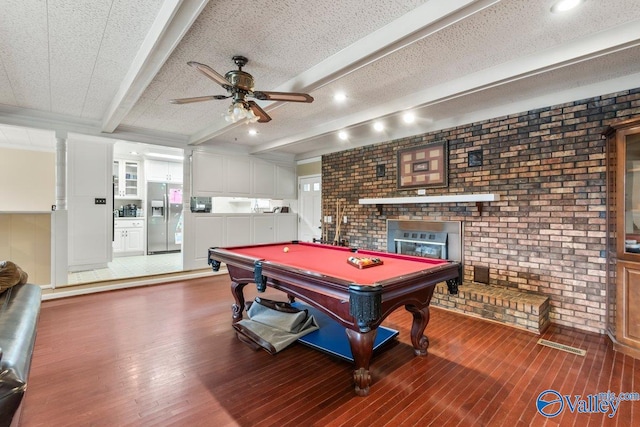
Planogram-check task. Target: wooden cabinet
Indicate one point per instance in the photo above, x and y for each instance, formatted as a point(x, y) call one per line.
point(128, 237)
point(161, 171)
point(628, 303)
point(126, 182)
point(623, 252)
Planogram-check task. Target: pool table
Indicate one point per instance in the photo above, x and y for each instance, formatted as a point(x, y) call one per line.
point(358, 298)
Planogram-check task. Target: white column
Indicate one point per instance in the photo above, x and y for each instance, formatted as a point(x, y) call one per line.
point(59, 218)
point(61, 170)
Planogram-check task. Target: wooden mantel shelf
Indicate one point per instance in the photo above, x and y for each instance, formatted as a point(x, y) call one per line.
point(454, 198)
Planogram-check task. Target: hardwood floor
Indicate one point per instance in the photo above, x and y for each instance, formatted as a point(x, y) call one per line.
point(166, 355)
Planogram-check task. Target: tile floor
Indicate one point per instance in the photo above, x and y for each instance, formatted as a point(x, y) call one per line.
point(131, 266)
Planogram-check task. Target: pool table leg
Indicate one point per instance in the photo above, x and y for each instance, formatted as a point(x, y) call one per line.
point(361, 348)
point(420, 320)
point(237, 289)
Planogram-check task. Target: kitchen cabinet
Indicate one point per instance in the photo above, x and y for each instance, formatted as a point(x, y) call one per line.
point(126, 182)
point(207, 174)
point(215, 175)
point(237, 175)
point(161, 171)
point(263, 229)
point(264, 179)
point(286, 183)
point(286, 227)
point(623, 245)
point(128, 237)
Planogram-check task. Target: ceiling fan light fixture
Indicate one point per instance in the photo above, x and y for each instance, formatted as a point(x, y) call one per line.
point(239, 86)
point(240, 111)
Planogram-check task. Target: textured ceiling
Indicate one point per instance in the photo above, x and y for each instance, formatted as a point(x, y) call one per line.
point(109, 67)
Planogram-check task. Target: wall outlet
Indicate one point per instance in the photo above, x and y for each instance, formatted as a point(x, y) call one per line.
point(100, 201)
point(344, 219)
point(422, 192)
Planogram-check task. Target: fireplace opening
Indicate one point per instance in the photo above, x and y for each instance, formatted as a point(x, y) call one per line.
point(432, 239)
point(424, 243)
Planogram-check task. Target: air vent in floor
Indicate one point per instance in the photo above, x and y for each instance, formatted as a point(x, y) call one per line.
point(562, 347)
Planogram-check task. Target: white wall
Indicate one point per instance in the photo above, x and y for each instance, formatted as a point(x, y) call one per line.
point(89, 167)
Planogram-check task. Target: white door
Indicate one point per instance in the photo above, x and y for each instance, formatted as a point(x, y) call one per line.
point(310, 202)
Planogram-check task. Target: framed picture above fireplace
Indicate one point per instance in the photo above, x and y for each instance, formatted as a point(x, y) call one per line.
point(424, 166)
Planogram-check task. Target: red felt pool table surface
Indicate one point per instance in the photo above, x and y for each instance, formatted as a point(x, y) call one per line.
point(332, 261)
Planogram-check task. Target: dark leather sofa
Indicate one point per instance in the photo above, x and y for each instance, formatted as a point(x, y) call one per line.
point(19, 311)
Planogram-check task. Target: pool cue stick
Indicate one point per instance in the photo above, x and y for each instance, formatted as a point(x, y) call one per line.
point(344, 208)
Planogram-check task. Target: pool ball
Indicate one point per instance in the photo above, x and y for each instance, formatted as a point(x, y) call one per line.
point(286, 249)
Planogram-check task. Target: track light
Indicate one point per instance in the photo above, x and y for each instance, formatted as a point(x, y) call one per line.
point(564, 5)
point(409, 118)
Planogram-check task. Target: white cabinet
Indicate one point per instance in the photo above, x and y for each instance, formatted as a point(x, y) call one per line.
point(157, 170)
point(225, 175)
point(237, 174)
point(264, 229)
point(207, 174)
point(286, 182)
point(270, 228)
point(286, 227)
point(264, 179)
point(128, 237)
point(126, 182)
point(237, 230)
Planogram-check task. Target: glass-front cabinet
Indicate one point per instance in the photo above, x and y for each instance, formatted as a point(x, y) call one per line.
point(623, 253)
point(631, 199)
point(125, 179)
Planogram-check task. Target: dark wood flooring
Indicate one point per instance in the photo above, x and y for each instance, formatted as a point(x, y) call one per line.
point(166, 355)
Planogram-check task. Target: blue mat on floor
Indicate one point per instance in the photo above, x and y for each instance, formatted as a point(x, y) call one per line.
point(332, 338)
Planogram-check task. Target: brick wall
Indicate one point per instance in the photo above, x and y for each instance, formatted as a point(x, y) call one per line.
point(546, 234)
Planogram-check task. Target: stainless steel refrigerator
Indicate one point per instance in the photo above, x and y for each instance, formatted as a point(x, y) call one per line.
point(164, 217)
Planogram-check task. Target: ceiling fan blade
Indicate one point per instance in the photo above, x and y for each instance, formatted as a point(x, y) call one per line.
point(282, 96)
point(211, 73)
point(196, 99)
point(262, 115)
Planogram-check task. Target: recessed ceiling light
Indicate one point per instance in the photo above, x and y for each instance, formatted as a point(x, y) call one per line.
point(564, 5)
point(253, 132)
point(409, 117)
point(340, 97)
point(378, 126)
point(343, 135)
point(135, 153)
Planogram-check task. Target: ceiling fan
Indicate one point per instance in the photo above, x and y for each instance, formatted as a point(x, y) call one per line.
point(239, 85)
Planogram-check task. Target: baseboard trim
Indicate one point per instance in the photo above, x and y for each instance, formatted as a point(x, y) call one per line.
point(91, 288)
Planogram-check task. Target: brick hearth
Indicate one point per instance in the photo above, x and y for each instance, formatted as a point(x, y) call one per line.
point(523, 310)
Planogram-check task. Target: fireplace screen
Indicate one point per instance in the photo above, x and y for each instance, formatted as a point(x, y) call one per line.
point(422, 243)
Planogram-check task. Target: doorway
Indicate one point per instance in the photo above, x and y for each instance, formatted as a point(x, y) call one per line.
point(310, 202)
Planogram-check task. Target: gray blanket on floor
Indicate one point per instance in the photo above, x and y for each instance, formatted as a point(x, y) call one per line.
point(274, 325)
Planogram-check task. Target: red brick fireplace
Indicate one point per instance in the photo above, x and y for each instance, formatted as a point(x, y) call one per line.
point(547, 232)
